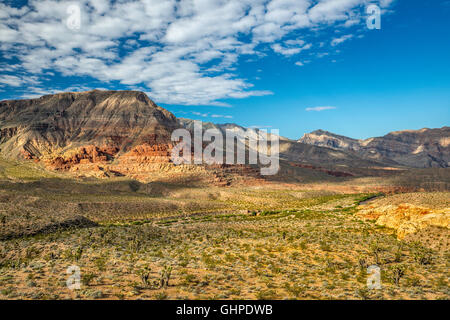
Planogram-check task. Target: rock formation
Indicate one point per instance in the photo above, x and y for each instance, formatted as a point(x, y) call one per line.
point(406, 218)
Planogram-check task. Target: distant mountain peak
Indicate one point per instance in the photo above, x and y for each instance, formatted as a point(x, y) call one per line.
point(320, 132)
point(414, 148)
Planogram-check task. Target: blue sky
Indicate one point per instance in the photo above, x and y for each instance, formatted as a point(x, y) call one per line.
point(294, 65)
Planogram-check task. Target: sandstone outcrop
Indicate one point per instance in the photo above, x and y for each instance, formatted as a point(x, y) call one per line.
point(406, 219)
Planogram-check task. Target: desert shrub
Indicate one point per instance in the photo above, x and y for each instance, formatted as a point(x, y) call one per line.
point(266, 295)
point(209, 261)
point(31, 252)
point(396, 273)
point(78, 253)
point(161, 296)
point(165, 274)
point(363, 293)
point(87, 278)
point(135, 244)
point(230, 257)
point(441, 282)
point(100, 262)
point(376, 250)
point(269, 213)
point(413, 281)
point(362, 263)
point(295, 289)
point(144, 274)
point(212, 196)
point(120, 296)
point(345, 276)
point(398, 254)
point(134, 185)
point(190, 279)
point(302, 245)
point(183, 261)
point(325, 246)
point(423, 255)
point(362, 276)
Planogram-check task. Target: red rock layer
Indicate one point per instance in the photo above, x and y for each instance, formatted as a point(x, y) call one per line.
point(84, 155)
point(147, 153)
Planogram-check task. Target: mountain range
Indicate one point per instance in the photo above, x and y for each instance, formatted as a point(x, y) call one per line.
point(423, 148)
point(128, 130)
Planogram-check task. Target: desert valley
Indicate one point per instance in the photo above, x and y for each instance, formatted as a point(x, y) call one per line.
point(87, 180)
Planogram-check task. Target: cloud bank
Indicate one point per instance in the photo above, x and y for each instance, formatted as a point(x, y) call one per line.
point(184, 52)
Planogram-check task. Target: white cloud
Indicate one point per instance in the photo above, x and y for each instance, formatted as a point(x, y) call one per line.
point(292, 47)
point(332, 10)
point(12, 81)
point(199, 114)
point(340, 40)
point(206, 115)
point(180, 52)
point(351, 22)
point(15, 81)
point(221, 116)
point(260, 127)
point(318, 109)
point(322, 54)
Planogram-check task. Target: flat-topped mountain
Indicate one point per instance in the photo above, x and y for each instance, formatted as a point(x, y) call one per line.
point(413, 148)
point(76, 126)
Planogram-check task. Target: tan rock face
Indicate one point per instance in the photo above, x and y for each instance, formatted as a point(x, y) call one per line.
point(406, 218)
